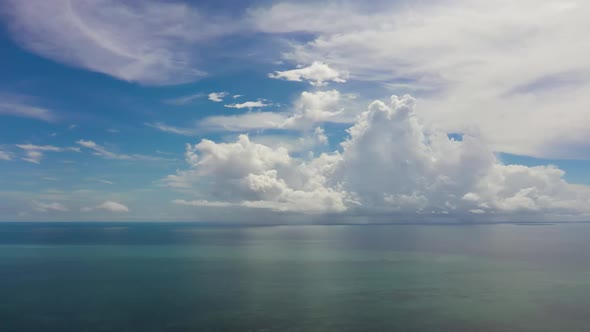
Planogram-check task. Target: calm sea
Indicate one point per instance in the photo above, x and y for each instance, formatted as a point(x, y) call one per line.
point(188, 277)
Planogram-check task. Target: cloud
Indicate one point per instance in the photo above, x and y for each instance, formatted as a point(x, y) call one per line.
point(46, 148)
point(34, 153)
point(217, 96)
point(318, 74)
point(109, 206)
point(171, 129)
point(309, 109)
point(300, 142)
point(391, 164)
point(50, 178)
point(33, 156)
point(201, 203)
point(4, 155)
point(248, 104)
point(318, 107)
point(247, 121)
point(477, 78)
point(253, 175)
point(101, 151)
point(152, 43)
point(47, 207)
point(185, 99)
point(21, 106)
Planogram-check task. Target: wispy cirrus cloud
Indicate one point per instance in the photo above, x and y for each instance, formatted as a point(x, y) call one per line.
point(25, 107)
point(5, 155)
point(109, 206)
point(103, 152)
point(48, 207)
point(34, 153)
point(172, 129)
point(185, 100)
point(150, 43)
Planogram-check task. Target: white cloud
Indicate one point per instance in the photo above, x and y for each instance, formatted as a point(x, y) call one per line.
point(171, 129)
point(318, 74)
point(4, 155)
point(254, 175)
point(101, 151)
point(318, 107)
point(201, 203)
point(247, 121)
point(46, 207)
point(184, 100)
point(34, 153)
point(50, 178)
point(390, 164)
point(109, 206)
point(301, 142)
point(249, 104)
point(152, 43)
point(33, 156)
point(50, 148)
point(309, 109)
point(217, 96)
point(466, 59)
point(23, 106)
point(320, 136)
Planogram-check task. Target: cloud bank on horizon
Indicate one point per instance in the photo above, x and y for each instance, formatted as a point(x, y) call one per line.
point(268, 104)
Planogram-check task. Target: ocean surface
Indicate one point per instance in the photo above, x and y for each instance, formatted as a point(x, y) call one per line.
point(190, 277)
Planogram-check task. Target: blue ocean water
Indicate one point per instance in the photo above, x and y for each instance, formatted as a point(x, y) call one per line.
point(192, 277)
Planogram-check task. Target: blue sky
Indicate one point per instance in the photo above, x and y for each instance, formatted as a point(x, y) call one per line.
point(266, 110)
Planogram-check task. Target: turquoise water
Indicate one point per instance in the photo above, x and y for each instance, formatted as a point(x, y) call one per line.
point(186, 277)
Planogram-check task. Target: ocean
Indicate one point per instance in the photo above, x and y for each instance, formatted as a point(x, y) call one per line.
point(192, 277)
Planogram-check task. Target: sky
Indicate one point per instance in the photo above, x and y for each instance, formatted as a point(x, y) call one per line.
point(294, 111)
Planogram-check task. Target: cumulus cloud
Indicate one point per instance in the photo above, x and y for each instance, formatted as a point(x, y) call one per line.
point(318, 74)
point(109, 206)
point(391, 163)
point(249, 104)
point(34, 153)
point(477, 78)
point(47, 207)
point(217, 96)
point(254, 175)
point(318, 107)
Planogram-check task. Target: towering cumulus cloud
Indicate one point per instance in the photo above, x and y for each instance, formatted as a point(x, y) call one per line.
point(389, 164)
